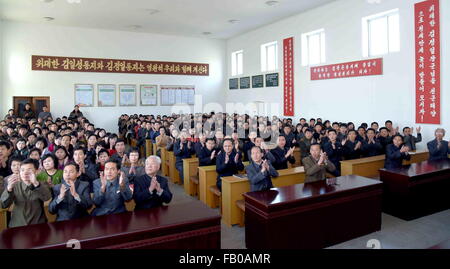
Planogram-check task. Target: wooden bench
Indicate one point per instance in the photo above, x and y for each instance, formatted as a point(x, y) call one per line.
point(368, 167)
point(164, 162)
point(148, 147)
point(155, 148)
point(174, 175)
point(233, 189)
point(190, 168)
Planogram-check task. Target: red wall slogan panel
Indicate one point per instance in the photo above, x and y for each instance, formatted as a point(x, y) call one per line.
point(368, 67)
point(288, 46)
point(428, 62)
point(76, 64)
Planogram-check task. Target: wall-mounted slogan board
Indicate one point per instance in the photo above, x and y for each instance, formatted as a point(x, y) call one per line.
point(428, 62)
point(288, 68)
point(272, 80)
point(258, 81)
point(234, 84)
point(76, 64)
point(370, 67)
point(245, 83)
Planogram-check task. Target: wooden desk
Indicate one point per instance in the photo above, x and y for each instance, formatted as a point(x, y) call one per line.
point(298, 157)
point(416, 190)
point(442, 245)
point(174, 175)
point(148, 147)
point(3, 219)
point(233, 189)
point(179, 226)
point(164, 162)
point(369, 167)
point(190, 168)
point(207, 177)
point(312, 215)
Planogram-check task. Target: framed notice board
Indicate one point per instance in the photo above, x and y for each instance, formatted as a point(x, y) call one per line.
point(272, 80)
point(258, 81)
point(234, 84)
point(177, 95)
point(245, 83)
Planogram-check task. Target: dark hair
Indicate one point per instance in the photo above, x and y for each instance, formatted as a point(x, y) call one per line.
point(384, 128)
point(43, 140)
point(332, 131)
point(316, 144)
point(63, 148)
point(34, 162)
point(53, 157)
point(5, 144)
point(102, 151)
point(352, 131)
point(397, 135)
point(14, 159)
point(309, 130)
point(404, 128)
point(33, 150)
point(79, 148)
point(120, 140)
point(374, 123)
point(371, 129)
point(388, 121)
point(111, 161)
point(77, 167)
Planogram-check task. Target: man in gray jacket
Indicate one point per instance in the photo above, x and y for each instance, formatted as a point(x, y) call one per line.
point(259, 171)
point(71, 198)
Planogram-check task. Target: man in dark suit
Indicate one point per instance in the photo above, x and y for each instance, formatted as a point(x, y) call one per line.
point(439, 148)
point(282, 154)
point(207, 154)
point(371, 147)
point(334, 150)
point(71, 198)
point(396, 153)
point(151, 190)
point(260, 172)
point(182, 149)
point(411, 140)
point(229, 162)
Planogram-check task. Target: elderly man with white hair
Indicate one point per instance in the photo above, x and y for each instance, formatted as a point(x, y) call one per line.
point(439, 148)
point(151, 190)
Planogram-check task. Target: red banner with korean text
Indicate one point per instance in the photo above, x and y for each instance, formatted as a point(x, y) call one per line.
point(370, 67)
point(76, 64)
point(428, 62)
point(288, 49)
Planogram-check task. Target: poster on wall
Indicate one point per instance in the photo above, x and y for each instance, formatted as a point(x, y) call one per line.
point(84, 95)
point(288, 54)
point(258, 81)
point(177, 95)
point(272, 80)
point(428, 62)
point(370, 67)
point(234, 84)
point(106, 95)
point(244, 82)
point(149, 95)
point(127, 95)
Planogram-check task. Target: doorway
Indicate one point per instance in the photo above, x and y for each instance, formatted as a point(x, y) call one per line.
point(37, 103)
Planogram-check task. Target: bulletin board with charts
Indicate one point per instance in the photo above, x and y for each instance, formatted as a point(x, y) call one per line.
point(106, 95)
point(149, 95)
point(84, 95)
point(127, 95)
point(177, 95)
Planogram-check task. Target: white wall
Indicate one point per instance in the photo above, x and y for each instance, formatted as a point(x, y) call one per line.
point(22, 40)
point(366, 99)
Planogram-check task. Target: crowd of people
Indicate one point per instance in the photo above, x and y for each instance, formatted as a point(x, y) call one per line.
point(82, 170)
point(228, 140)
point(78, 169)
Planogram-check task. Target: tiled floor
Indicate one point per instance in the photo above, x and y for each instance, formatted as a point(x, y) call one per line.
point(395, 233)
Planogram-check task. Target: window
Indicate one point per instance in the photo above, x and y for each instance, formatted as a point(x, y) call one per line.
point(269, 57)
point(236, 63)
point(313, 47)
point(381, 33)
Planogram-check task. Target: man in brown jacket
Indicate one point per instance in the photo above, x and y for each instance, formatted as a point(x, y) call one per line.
point(27, 195)
point(317, 164)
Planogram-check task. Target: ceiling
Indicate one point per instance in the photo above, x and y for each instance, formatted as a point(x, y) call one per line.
point(173, 17)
